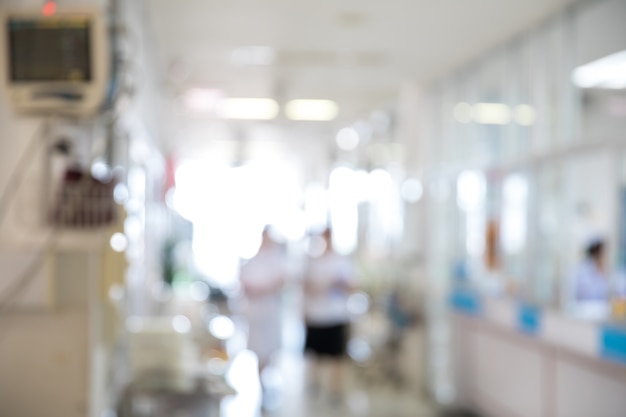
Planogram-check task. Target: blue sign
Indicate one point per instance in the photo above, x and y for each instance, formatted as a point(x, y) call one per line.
point(613, 343)
point(466, 301)
point(529, 319)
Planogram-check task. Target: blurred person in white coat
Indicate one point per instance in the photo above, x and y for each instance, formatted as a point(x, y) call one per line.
point(262, 279)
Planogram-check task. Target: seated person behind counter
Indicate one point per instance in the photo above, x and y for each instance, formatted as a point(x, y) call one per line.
point(590, 280)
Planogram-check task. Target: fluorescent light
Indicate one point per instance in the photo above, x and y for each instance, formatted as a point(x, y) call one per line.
point(313, 110)
point(463, 112)
point(253, 56)
point(202, 99)
point(348, 139)
point(494, 114)
point(525, 115)
point(491, 113)
point(248, 108)
point(608, 72)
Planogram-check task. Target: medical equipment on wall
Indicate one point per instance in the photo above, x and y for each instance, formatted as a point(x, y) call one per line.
point(56, 65)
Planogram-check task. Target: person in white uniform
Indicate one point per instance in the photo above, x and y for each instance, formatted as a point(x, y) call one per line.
point(328, 282)
point(262, 279)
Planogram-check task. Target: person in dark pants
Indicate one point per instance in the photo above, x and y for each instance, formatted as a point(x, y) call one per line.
point(328, 282)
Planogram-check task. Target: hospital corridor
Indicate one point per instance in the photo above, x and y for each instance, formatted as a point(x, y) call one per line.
point(331, 208)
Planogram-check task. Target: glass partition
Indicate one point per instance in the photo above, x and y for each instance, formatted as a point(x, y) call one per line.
point(532, 133)
point(600, 68)
point(515, 224)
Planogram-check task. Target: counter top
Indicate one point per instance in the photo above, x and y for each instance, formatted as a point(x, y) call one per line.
point(593, 337)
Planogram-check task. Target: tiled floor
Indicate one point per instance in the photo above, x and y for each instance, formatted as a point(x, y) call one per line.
point(360, 398)
point(367, 391)
point(288, 387)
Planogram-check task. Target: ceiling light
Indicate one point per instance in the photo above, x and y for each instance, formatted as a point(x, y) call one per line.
point(202, 99)
point(348, 139)
point(608, 72)
point(312, 110)
point(525, 115)
point(463, 112)
point(248, 108)
point(491, 113)
point(253, 56)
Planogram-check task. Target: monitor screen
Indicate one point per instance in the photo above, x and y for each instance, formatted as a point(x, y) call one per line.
point(49, 50)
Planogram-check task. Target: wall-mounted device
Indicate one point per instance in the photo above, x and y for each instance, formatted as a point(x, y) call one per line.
point(54, 65)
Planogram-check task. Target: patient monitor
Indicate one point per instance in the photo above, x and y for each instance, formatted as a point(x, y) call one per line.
point(54, 65)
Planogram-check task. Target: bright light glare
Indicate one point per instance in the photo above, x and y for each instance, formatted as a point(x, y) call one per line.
point(199, 291)
point(471, 193)
point(120, 193)
point(202, 99)
point(242, 376)
point(358, 303)
point(412, 190)
point(291, 223)
point(312, 110)
point(100, 170)
point(248, 109)
point(525, 115)
point(362, 188)
point(118, 242)
point(385, 214)
point(344, 209)
point(381, 181)
point(316, 207)
point(132, 227)
point(515, 198)
point(462, 112)
point(471, 190)
point(181, 324)
point(221, 327)
point(249, 247)
point(348, 139)
point(271, 377)
point(608, 72)
point(229, 208)
point(492, 113)
point(359, 350)
point(515, 189)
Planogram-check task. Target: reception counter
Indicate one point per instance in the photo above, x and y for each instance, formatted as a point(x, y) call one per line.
point(517, 360)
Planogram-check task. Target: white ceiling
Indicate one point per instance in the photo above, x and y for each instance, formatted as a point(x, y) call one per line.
point(357, 52)
point(343, 49)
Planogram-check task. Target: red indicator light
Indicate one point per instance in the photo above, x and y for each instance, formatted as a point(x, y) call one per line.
point(49, 8)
